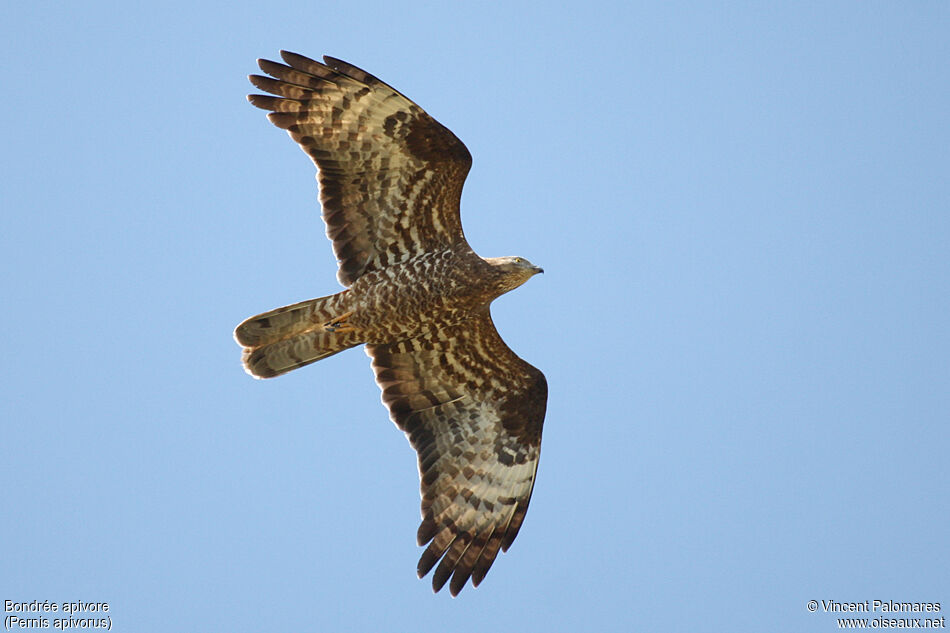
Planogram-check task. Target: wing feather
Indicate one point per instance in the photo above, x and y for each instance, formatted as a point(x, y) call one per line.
point(473, 411)
point(390, 175)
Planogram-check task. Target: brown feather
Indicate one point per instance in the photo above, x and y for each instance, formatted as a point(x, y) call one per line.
point(390, 179)
point(477, 447)
point(397, 192)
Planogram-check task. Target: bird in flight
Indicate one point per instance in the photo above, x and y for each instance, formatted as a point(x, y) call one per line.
point(417, 296)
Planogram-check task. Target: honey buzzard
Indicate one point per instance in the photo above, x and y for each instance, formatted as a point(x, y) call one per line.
point(390, 179)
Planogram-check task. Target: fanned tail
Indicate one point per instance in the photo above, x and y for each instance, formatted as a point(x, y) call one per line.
point(284, 339)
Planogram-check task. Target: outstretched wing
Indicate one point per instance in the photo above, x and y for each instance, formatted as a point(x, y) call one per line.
point(390, 175)
point(473, 411)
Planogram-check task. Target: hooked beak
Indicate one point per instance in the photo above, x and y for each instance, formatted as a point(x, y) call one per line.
point(538, 269)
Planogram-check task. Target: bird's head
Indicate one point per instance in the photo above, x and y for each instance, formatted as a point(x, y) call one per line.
point(514, 271)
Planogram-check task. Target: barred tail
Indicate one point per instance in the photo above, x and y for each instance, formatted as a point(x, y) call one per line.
point(284, 339)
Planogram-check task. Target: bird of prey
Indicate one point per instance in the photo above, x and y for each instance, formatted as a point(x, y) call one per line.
point(390, 180)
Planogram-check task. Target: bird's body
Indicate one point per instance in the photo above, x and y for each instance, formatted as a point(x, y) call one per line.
point(418, 297)
point(430, 292)
point(447, 288)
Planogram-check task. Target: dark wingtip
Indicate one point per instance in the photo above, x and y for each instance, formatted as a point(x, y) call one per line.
point(426, 562)
point(459, 578)
point(333, 62)
point(296, 60)
point(439, 578)
point(264, 102)
point(426, 532)
point(257, 80)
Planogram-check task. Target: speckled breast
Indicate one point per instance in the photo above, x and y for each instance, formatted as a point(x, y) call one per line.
point(431, 290)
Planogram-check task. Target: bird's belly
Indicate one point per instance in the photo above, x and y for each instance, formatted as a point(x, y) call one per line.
point(400, 302)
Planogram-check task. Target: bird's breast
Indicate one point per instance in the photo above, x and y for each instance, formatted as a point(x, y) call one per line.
point(404, 300)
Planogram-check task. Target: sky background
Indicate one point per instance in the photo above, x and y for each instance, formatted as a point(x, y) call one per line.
point(743, 212)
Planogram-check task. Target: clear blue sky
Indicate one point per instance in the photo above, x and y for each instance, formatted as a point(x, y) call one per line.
point(743, 212)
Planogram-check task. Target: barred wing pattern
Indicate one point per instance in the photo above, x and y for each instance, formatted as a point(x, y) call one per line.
point(390, 175)
point(391, 180)
point(473, 411)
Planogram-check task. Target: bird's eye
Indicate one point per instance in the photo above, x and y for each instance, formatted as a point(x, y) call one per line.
point(518, 260)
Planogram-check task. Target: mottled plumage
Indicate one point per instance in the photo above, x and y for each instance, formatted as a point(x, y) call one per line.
point(390, 181)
